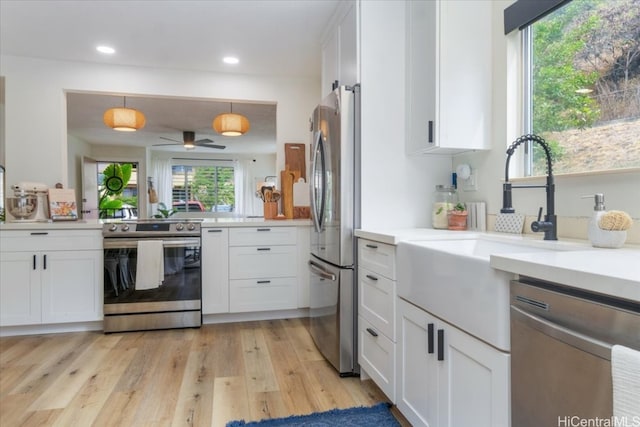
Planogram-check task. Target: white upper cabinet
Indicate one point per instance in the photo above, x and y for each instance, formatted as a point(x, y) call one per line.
point(340, 49)
point(448, 76)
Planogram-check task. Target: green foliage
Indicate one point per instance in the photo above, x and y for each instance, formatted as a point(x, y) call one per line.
point(109, 198)
point(557, 42)
point(460, 207)
point(163, 211)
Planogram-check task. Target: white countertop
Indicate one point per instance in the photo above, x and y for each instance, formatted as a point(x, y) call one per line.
point(575, 263)
point(614, 272)
point(95, 224)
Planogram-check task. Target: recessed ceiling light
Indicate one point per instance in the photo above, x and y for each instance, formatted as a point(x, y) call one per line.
point(230, 60)
point(105, 49)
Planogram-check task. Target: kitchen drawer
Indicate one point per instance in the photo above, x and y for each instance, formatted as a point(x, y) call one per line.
point(250, 262)
point(255, 236)
point(377, 257)
point(50, 240)
point(263, 294)
point(377, 356)
point(377, 301)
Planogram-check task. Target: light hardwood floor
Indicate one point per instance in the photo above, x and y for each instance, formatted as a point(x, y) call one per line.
point(182, 377)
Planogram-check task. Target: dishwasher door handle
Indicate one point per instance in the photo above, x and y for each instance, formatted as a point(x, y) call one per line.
point(572, 338)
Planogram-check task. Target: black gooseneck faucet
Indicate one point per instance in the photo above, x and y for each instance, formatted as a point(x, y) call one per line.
point(549, 225)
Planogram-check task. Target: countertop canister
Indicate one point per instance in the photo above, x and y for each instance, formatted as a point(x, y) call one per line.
point(444, 199)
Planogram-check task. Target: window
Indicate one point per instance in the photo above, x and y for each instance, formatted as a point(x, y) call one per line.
point(197, 188)
point(582, 86)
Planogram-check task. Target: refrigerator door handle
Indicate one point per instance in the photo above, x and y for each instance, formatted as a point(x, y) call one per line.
point(317, 269)
point(318, 186)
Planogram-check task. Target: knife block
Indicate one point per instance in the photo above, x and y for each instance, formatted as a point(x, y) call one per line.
point(270, 210)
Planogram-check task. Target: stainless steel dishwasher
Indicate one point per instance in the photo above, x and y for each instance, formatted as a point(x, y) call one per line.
point(561, 341)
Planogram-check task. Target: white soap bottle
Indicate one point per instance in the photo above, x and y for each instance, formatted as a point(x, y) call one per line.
point(598, 210)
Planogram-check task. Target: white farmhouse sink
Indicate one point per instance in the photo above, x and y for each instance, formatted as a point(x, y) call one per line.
point(453, 280)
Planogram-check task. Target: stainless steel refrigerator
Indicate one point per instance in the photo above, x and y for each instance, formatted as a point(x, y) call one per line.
point(335, 213)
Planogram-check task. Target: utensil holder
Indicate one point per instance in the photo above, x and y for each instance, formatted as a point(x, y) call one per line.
point(270, 210)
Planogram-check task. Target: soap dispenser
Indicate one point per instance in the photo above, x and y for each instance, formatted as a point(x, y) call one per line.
point(598, 210)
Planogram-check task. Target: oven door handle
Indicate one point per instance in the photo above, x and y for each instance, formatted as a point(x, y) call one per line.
point(118, 243)
point(567, 336)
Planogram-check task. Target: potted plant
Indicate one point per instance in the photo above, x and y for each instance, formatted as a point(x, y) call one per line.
point(457, 217)
point(163, 211)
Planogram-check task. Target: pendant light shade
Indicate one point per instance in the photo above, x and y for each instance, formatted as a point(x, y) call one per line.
point(124, 119)
point(231, 124)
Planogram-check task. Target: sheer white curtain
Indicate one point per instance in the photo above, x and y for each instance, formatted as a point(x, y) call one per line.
point(162, 176)
point(243, 187)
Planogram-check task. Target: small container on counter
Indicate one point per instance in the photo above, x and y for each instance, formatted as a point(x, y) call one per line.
point(444, 199)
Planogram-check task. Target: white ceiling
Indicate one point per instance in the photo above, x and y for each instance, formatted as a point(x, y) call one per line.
point(271, 38)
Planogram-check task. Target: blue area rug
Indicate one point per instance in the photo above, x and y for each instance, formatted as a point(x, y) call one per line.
point(378, 416)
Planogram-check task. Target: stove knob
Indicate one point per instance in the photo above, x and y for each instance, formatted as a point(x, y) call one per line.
point(125, 227)
point(180, 227)
point(113, 227)
point(191, 226)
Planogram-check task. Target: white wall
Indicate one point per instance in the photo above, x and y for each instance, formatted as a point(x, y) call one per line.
point(36, 135)
point(621, 190)
point(396, 188)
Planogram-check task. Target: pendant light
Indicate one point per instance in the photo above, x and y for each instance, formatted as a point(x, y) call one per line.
point(124, 119)
point(231, 124)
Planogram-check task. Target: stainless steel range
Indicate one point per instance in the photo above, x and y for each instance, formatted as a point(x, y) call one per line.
point(153, 275)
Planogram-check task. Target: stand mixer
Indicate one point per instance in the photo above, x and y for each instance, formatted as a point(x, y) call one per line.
point(29, 203)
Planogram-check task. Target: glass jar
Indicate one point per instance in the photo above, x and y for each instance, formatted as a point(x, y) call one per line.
point(444, 199)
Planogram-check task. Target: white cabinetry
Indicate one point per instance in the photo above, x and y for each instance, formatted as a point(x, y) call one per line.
point(447, 377)
point(339, 50)
point(262, 269)
point(448, 76)
point(215, 270)
point(50, 277)
point(376, 313)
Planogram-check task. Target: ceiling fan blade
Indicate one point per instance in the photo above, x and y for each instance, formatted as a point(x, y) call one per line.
point(161, 145)
point(219, 147)
point(203, 141)
point(169, 139)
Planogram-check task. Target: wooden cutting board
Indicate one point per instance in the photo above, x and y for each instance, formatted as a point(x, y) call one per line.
point(295, 158)
point(287, 178)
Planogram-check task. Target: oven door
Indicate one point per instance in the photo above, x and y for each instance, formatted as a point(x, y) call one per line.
point(174, 302)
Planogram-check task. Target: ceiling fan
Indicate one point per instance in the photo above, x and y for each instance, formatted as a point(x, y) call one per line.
point(189, 141)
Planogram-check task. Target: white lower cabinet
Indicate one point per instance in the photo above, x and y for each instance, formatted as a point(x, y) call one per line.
point(446, 377)
point(377, 356)
point(215, 270)
point(263, 266)
point(377, 314)
point(50, 277)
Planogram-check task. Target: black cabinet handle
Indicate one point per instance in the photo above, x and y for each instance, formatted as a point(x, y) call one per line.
point(371, 246)
point(430, 131)
point(372, 332)
point(264, 281)
point(39, 233)
point(264, 249)
point(440, 344)
point(263, 229)
point(215, 230)
point(430, 338)
point(374, 278)
point(44, 262)
point(34, 262)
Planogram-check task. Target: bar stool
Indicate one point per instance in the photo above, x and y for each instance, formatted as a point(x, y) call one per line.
point(111, 265)
point(126, 277)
